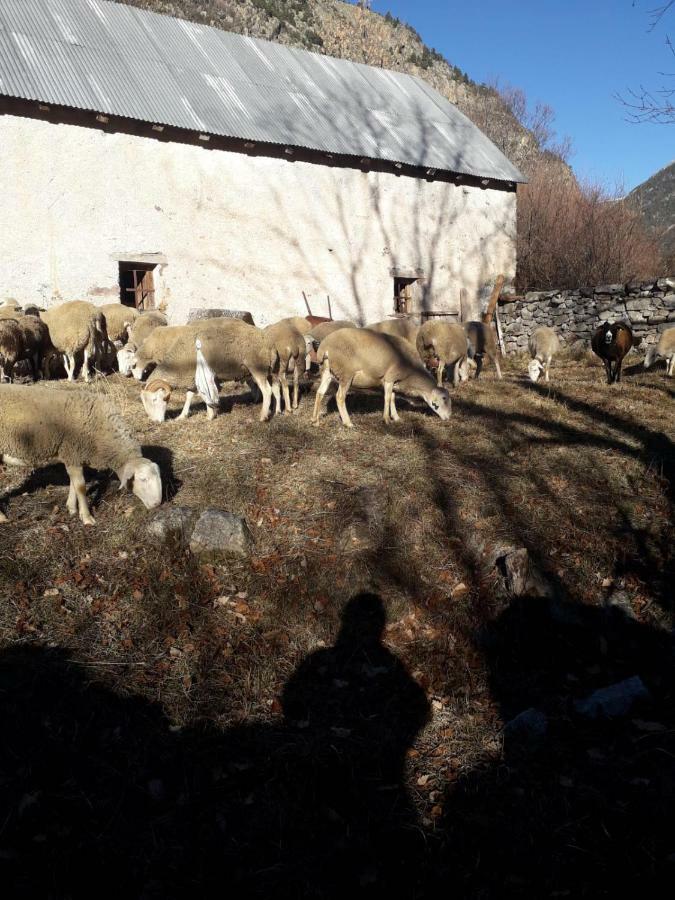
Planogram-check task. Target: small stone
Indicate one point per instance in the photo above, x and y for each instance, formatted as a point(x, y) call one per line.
point(216, 313)
point(171, 524)
point(614, 700)
point(218, 531)
point(527, 729)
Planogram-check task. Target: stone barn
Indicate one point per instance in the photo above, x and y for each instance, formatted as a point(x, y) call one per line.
point(172, 165)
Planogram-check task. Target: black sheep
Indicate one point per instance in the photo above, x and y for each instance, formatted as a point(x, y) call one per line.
point(611, 343)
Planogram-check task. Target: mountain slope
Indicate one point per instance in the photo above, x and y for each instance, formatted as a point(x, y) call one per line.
point(348, 31)
point(656, 200)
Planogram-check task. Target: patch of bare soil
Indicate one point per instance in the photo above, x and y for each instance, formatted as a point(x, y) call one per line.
point(327, 717)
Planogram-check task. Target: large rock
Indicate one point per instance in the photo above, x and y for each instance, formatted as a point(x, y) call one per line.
point(613, 701)
point(218, 531)
point(172, 524)
point(195, 314)
point(609, 289)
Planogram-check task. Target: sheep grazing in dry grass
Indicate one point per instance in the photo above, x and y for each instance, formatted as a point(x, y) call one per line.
point(442, 344)
point(291, 346)
point(119, 320)
point(611, 342)
point(144, 324)
point(665, 349)
point(76, 327)
point(482, 342)
point(232, 349)
point(36, 342)
point(41, 424)
point(402, 328)
point(543, 345)
point(362, 358)
point(153, 349)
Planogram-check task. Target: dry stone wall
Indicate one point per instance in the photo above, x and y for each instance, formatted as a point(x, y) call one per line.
point(648, 307)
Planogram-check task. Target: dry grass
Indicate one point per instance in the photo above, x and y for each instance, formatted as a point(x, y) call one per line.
point(579, 473)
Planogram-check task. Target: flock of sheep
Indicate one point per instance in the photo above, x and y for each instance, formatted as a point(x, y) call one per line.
point(39, 424)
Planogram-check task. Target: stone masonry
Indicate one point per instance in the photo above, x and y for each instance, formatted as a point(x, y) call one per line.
point(647, 306)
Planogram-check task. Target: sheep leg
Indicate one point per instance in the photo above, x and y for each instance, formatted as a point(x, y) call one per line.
point(388, 391)
point(326, 379)
point(267, 391)
point(439, 372)
point(670, 368)
point(392, 408)
point(296, 383)
point(497, 366)
point(3, 377)
point(343, 390)
point(185, 412)
point(455, 373)
point(79, 488)
point(276, 393)
point(479, 364)
point(617, 370)
point(85, 365)
point(69, 363)
point(284, 386)
point(548, 363)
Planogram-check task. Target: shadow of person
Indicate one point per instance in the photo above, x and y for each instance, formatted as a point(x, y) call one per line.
point(99, 792)
point(583, 806)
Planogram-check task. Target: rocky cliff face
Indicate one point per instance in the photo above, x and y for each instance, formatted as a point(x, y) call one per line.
point(656, 200)
point(348, 31)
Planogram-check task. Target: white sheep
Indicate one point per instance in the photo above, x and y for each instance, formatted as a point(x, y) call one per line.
point(323, 329)
point(665, 349)
point(543, 344)
point(141, 328)
point(233, 351)
point(41, 423)
point(119, 319)
point(290, 344)
point(400, 327)
point(362, 358)
point(442, 344)
point(11, 347)
point(482, 342)
point(76, 327)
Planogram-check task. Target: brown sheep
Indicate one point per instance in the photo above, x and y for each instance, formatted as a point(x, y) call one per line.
point(36, 340)
point(611, 342)
point(483, 343)
point(118, 320)
point(11, 347)
point(441, 344)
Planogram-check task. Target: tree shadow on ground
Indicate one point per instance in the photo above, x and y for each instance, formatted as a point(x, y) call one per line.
point(98, 790)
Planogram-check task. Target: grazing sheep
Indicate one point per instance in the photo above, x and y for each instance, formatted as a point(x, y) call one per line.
point(119, 319)
point(76, 327)
point(303, 325)
point(402, 328)
point(151, 352)
point(362, 358)
point(41, 424)
point(290, 345)
point(36, 342)
point(441, 344)
point(543, 344)
point(143, 325)
point(665, 349)
point(482, 343)
point(233, 351)
point(611, 342)
point(323, 329)
point(11, 347)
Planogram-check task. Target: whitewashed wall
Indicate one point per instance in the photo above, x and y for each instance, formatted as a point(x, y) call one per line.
point(233, 230)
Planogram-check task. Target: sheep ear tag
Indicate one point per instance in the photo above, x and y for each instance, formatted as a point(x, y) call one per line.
point(205, 380)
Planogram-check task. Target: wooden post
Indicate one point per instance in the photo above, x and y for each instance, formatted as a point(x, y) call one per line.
point(330, 312)
point(463, 305)
point(309, 311)
point(492, 305)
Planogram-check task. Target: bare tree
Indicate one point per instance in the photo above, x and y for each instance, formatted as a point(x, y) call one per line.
point(657, 105)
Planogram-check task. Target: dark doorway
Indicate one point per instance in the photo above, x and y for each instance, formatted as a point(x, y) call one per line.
point(403, 294)
point(137, 285)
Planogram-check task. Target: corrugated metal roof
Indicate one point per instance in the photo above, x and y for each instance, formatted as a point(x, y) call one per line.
point(119, 60)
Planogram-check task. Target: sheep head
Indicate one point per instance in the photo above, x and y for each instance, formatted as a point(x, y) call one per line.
point(650, 357)
point(145, 480)
point(534, 369)
point(126, 357)
point(439, 400)
point(155, 398)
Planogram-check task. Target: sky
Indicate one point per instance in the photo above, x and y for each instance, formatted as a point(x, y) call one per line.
point(574, 55)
